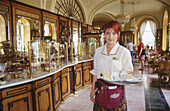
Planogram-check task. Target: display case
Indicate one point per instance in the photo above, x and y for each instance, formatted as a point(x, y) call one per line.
point(39, 57)
point(5, 18)
point(97, 38)
point(90, 29)
point(63, 30)
point(75, 37)
point(84, 51)
point(127, 35)
point(27, 25)
point(84, 30)
point(12, 64)
point(70, 33)
point(50, 26)
point(93, 41)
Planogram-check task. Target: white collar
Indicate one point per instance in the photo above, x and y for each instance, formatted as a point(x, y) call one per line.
point(113, 51)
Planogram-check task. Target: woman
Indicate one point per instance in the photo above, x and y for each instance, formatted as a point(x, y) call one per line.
point(111, 58)
point(141, 52)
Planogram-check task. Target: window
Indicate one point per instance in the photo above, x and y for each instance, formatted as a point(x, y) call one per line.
point(148, 31)
point(69, 8)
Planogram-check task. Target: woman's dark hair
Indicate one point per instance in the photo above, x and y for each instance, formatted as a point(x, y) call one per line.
point(114, 25)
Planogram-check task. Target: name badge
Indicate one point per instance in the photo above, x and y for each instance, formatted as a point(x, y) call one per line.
point(115, 58)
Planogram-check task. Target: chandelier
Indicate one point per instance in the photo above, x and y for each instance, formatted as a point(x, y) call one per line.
point(133, 24)
point(123, 17)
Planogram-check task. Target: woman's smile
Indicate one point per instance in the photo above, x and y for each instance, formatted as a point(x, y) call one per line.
point(110, 39)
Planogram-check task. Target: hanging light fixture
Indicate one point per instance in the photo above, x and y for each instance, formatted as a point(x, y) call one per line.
point(133, 24)
point(123, 17)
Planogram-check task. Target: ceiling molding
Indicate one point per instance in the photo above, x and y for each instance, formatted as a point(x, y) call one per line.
point(92, 14)
point(111, 16)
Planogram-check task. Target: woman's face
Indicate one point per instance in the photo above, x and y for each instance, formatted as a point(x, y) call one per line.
point(111, 36)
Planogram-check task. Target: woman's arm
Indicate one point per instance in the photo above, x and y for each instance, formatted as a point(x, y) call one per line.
point(93, 89)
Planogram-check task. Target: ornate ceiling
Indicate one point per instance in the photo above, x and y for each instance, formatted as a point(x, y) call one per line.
point(104, 10)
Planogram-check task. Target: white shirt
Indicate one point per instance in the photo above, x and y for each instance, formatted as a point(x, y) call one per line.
point(130, 46)
point(118, 62)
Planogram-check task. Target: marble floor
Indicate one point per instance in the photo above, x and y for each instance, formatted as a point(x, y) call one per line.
point(148, 95)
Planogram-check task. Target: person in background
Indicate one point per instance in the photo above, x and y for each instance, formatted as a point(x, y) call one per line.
point(160, 51)
point(130, 47)
point(147, 50)
point(141, 52)
point(113, 59)
point(151, 50)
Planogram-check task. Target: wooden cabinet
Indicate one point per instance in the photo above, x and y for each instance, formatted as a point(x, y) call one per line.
point(43, 95)
point(17, 99)
point(56, 90)
point(94, 38)
point(78, 76)
point(46, 94)
point(86, 73)
point(65, 82)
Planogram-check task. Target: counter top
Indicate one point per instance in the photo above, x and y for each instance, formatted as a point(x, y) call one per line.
point(38, 75)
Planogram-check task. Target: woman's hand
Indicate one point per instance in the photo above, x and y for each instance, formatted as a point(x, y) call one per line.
point(93, 89)
point(92, 96)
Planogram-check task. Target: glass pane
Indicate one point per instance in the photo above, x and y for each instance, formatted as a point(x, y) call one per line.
point(50, 29)
point(39, 52)
point(63, 32)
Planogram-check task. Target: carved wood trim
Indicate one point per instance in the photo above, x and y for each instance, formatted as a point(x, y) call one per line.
point(16, 91)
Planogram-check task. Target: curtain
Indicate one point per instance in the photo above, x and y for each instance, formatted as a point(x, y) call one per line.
point(153, 27)
point(142, 28)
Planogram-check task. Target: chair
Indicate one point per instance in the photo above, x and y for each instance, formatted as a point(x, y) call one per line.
point(150, 63)
point(164, 72)
point(153, 62)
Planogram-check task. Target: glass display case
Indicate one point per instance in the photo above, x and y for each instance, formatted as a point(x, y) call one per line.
point(39, 56)
point(26, 33)
point(50, 23)
point(63, 30)
point(12, 64)
point(27, 25)
point(75, 37)
point(92, 44)
point(94, 40)
point(84, 30)
point(84, 51)
point(5, 25)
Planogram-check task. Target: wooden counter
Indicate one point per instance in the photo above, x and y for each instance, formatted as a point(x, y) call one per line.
point(46, 91)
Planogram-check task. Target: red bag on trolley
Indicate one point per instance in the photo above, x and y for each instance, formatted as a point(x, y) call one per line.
point(108, 95)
